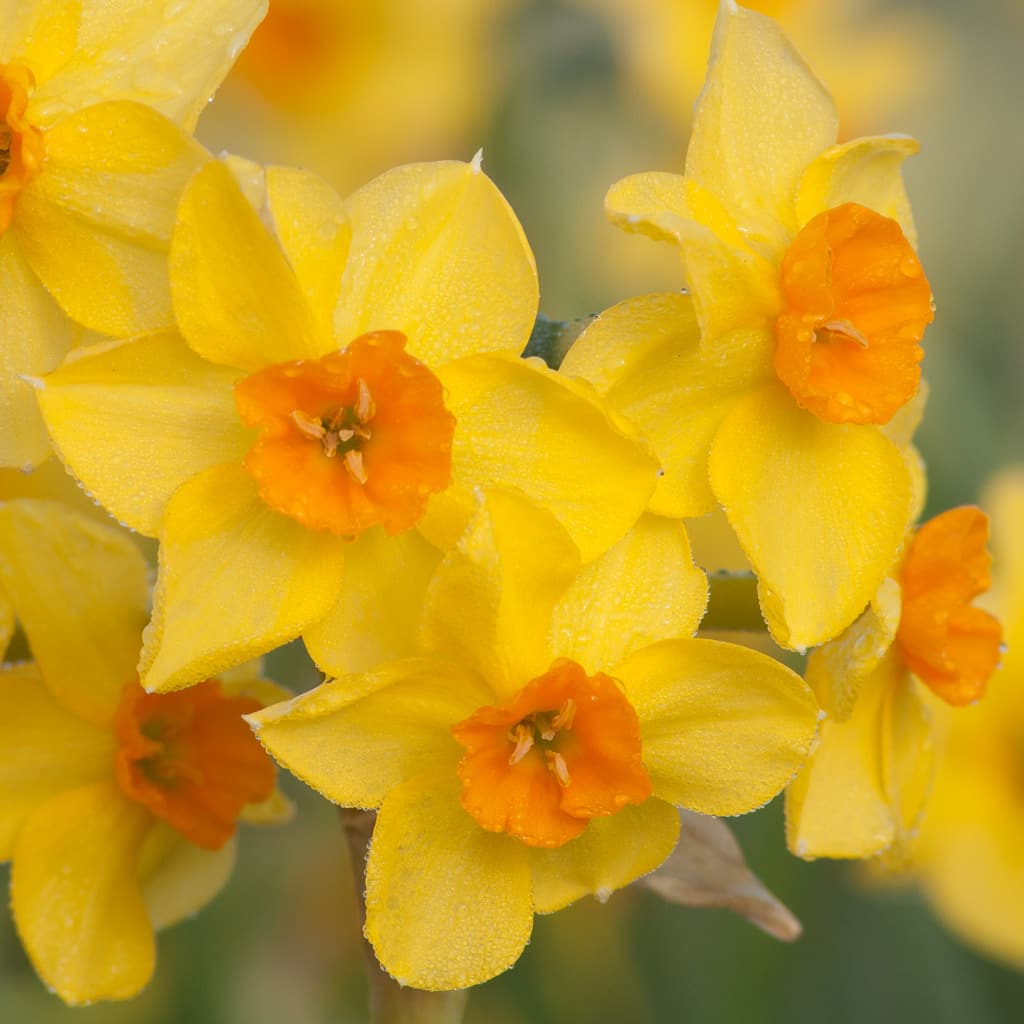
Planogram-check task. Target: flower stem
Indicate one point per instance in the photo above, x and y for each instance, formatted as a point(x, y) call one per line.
point(391, 1003)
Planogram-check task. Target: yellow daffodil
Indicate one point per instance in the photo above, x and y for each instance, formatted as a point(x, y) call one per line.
point(117, 807)
point(534, 752)
point(770, 391)
point(96, 104)
point(398, 80)
point(348, 375)
point(971, 851)
point(864, 789)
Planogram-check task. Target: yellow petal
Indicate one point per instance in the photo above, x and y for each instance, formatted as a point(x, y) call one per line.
point(865, 171)
point(645, 588)
point(438, 254)
point(839, 805)
point(96, 223)
point(44, 750)
point(448, 905)
point(80, 592)
point(838, 670)
point(353, 739)
point(76, 898)
point(645, 357)
point(135, 419)
point(37, 335)
point(377, 616)
point(310, 221)
point(820, 509)
point(42, 36)
point(171, 58)
point(236, 298)
point(734, 287)
point(762, 118)
point(235, 580)
point(562, 449)
point(612, 852)
point(489, 605)
point(723, 728)
point(179, 878)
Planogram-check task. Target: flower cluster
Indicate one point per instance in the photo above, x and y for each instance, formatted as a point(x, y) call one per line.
point(319, 408)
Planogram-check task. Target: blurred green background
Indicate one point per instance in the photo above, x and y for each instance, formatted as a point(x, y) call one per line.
point(553, 95)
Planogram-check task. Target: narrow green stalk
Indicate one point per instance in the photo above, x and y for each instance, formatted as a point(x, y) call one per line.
point(391, 1003)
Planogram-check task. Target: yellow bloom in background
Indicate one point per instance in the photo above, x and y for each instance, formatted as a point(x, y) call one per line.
point(772, 391)
point(117, 807)
point(865, 787)
point(535, 751)
point(879, 62)
point(96, 105)
point(349, 88)
point(970, 856)
point(348, 374)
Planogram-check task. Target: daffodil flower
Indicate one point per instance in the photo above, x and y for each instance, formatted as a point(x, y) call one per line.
point(534, 751)
point(865, 787)
point(117, 807)
point(97, 103)
point(769, 387)
point(970, 854)
point(348, 373)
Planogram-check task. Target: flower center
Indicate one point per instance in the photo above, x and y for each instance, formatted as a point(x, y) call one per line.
point(357, 438)
point(950, 645)
point(191, 759)
point(857, 304)
point(300, 47)
point(564, 750)
point(21, 144)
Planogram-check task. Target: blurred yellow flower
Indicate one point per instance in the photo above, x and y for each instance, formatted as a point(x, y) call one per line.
point(117, 807)
point(350, 88)
point(865, 786)
point(533, 752)
point(774, 389)
point(970, 856)
point(879, 62)
point(349, 373)
point(91, 171)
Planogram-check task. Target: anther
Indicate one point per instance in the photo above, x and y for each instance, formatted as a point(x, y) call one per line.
point(354, 464)
point(308, 425)
point(365, 407)
point(522, 735)
point(565, 716)
point(847, 330)
point(557, 764)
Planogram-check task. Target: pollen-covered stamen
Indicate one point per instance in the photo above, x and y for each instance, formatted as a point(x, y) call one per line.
point(945, 641)
point(564, 750)
point(856, 307)
point(356, 438)
point(191, 759)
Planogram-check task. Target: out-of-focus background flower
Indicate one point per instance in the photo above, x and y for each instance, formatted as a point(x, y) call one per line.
point(566, 97)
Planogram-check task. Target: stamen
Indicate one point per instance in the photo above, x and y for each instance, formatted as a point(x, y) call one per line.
point(523, 736)
point(365, 407)
point(354, 464)
point(847, 330)
point(308, 425)
point(557, 765)
point(564, 718)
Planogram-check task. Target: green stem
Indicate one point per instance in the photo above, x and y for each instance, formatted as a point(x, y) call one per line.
point(733, 603)
point(391, 1003)
point(551, 339)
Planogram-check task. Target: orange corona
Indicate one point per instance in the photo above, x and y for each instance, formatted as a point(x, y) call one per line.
point(21, 144)
point(564, 750)
point(355, 439)
point(946, 642)
point(191, 759)
point(857, 304)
